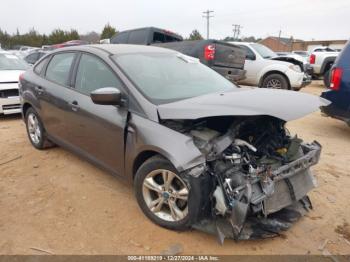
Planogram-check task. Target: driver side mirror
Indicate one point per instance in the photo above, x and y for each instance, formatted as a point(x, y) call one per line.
point(250, 56)
point(106, 96)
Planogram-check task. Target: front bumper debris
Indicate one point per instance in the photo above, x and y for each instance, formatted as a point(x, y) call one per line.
point(275, 202)
point(258, 227)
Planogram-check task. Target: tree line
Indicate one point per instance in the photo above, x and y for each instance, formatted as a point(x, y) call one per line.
point(196, 35)
point(57, 36)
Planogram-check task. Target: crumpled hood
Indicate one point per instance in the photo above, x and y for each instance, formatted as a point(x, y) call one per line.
point(10, 75)
point(289, 59)
point(283, 104)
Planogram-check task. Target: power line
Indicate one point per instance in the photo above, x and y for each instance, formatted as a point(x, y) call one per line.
point(236, 31)
point(208, 16)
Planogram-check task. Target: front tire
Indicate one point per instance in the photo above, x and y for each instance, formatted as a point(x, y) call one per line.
point(275, 81)
point(35, 130)
point(163, 194)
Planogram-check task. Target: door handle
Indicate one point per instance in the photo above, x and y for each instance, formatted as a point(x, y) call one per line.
point(74, 105)
point(39, 90)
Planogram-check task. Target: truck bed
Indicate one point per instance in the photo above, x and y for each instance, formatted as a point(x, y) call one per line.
point(228, 59)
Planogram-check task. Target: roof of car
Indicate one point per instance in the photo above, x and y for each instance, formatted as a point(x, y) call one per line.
point(242, 43)
point(120, 48)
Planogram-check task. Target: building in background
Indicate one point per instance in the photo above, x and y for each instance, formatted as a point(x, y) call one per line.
point(278, 44)
point(310, 45)
point(282, 44)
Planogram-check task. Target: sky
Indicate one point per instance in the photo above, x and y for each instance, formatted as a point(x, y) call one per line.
point(302, 19)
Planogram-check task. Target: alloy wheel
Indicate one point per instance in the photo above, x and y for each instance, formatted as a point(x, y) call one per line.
point(166, 195)
point(274, 84)
point(34, 128)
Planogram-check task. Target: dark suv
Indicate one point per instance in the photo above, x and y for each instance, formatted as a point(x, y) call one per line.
point(339, 90)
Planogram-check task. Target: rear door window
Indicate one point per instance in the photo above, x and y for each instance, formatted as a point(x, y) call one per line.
point(59, 68)
point(40, 66)
point(93, 73)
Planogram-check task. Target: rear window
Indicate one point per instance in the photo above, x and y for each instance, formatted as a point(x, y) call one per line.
point(138, 37)
point(120, 38)
point(159, 37)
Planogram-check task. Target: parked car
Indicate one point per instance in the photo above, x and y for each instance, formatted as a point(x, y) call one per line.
point(302, 53)
point(34, 56)
point(321, 60)
point(47, 47)
point(339, 90)
point(323, 49)
point(11, 67)
point(226, 59)
point(264, 68)
point(22, 51)
point(70, 43)
point(198, 149)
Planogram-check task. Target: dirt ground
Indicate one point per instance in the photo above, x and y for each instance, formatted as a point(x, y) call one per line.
point(54, 202)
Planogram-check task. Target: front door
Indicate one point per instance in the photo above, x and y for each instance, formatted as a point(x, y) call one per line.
point(98, 130)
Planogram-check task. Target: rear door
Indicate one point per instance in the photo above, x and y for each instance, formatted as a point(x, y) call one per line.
point(53, 91)
point(97, 130)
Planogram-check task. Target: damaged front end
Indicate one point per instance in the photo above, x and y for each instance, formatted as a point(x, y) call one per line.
point(255, 181)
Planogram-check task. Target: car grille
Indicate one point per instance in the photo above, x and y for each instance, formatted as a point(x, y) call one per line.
point(8, 93)
point(10, 107)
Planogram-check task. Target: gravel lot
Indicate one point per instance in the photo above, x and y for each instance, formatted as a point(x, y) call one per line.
point(54, 202)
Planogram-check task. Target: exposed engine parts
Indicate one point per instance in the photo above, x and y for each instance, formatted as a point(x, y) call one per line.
point(257, 169)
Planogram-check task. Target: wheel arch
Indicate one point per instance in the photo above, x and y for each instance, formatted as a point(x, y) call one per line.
point(327, 63)
point(141, 158)
point(25, 108)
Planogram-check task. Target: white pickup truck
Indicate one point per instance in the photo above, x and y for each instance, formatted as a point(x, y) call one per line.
point(321, 61)
point(264, 68)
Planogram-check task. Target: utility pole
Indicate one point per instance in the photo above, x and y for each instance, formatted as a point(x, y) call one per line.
point(236, 31)
point(279, 40)
point(208, 16)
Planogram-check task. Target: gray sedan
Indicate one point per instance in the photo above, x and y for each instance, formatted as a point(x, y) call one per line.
point(200, 151)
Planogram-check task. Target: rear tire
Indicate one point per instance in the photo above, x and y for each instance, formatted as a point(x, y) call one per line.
point(326, 78)
point(36, 131)
point(275, 81)
point(152, 194)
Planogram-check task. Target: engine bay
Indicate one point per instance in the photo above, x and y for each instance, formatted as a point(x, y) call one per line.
point(257, 169)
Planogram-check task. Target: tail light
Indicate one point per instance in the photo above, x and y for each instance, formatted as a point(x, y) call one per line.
point(209, 52)
point(58, 46)
point(312, 59)
point(336, 76)
point(21, 77)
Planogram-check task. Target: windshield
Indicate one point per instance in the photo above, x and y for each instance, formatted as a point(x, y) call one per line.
point(264, 51)
point(12, 62)
point(169, 77)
